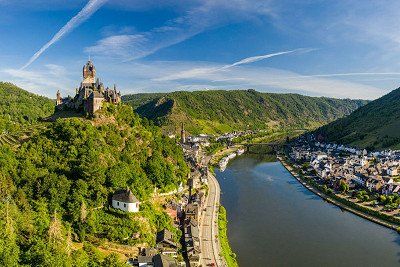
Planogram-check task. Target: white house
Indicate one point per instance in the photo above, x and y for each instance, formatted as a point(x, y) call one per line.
point(125, 200)
point(393, 171)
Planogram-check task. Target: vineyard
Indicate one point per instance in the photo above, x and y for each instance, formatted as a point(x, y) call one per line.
point(16, 138)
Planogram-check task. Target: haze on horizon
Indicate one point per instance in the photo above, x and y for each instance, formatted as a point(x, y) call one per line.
point(344, 49)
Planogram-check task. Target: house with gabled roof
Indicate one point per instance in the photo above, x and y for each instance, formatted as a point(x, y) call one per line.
point(125, 200)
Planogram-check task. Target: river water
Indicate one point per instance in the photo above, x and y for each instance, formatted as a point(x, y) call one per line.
point(274, 221)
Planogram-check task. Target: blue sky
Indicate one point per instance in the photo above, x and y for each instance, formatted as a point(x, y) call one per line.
point(343, 49)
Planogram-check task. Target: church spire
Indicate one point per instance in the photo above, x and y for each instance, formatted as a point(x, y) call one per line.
point(183, 136)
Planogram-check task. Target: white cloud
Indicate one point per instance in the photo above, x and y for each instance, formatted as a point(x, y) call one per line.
point(45, 81)
point(149, 77)
point(203, 16)
point(192, 73)
point(87, 11)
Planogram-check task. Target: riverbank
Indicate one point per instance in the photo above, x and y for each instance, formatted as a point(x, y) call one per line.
point(342, 202)
point(227, 254)
point(226, 250)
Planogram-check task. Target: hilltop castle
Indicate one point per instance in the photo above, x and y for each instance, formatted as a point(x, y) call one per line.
point(91, 94)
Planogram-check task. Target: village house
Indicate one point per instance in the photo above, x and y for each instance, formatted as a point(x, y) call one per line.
point(165, 243)
point(125, 200)
point(149, 257)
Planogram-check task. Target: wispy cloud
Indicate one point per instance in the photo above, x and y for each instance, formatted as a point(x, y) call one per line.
point(145, 77)
point(262, 57)
point(351, 74)
point(45, 80)
point(91, 7)
point(201, 17)
point(196, 72)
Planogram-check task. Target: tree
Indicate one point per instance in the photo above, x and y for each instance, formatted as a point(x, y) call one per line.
point(344, 187)
point(9, 250)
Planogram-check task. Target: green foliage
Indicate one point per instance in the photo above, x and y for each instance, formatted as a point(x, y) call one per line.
point(56, 187)
point(374, 126)
point(227, 253)
point(222, 111)
point(362, 195)
point(19, 108)
point(344, 187)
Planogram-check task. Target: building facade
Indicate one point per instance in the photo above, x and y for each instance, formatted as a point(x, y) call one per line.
point(91, 94)
point(125, 200)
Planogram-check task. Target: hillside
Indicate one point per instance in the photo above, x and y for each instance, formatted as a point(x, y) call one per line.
point(19, 108)
point(55, 189)
point(374, 126)
point(223, 111)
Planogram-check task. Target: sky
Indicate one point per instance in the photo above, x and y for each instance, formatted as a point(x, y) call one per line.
point(341, 49)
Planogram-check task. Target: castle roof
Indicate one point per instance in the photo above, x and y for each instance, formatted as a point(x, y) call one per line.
point(96, 94)
point(125, 195)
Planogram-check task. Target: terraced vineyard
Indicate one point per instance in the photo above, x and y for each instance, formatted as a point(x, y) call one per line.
point(16, 138)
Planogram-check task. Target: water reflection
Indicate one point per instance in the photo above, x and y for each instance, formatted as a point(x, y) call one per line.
point(274, 221)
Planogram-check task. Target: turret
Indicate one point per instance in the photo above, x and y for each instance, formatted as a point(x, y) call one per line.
point(89, 72)
point(59, 99)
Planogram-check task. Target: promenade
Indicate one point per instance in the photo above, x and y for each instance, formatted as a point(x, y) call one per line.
point(209, 241)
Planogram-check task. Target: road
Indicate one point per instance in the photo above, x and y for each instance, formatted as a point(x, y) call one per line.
point(210, 246)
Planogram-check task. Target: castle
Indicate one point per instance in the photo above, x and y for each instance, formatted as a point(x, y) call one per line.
point(91, 94)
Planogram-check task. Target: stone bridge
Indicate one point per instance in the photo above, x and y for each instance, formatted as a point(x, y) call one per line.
point(273, 145)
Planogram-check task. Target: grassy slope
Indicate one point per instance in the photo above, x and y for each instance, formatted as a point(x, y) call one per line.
point(374, 126)
point(222, 111)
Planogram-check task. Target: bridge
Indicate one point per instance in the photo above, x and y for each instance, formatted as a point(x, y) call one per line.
point(273, 145)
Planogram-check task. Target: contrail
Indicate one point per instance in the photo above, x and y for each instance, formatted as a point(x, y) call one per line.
point(346, 74)
point(202, 71)
point(350, 74)
point(258, 58)
point(91, 7)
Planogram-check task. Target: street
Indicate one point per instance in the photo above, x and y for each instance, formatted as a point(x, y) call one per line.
point(209, 225)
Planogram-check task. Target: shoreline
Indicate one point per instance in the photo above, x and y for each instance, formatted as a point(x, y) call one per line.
point(228, 258)
point(336, 202)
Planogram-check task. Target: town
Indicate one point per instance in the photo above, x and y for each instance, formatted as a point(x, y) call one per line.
point(194, 210)
point(369, 179)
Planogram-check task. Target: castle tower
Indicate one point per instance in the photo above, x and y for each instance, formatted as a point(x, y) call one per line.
point(89, 73)
point(183, 136)
point(59, 99)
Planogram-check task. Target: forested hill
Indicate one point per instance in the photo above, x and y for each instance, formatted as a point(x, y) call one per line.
point(374, 126)
point(19, 107)
point(56, 187)
point(222, 111)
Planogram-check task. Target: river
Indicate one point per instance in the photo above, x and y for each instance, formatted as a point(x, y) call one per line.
point(275, 221)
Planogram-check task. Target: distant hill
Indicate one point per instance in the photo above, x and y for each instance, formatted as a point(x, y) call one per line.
point(19, 107)
point(222, 111)
point(374, 126)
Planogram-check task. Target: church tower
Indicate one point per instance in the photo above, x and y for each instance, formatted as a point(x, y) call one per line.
point(89, 73)
point(183, 136)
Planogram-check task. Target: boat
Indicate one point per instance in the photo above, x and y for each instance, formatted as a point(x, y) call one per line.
point(240, 152)
point(223, 163)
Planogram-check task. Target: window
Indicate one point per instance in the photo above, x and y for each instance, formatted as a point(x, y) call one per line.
point(124, 205)
point(117, 203)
